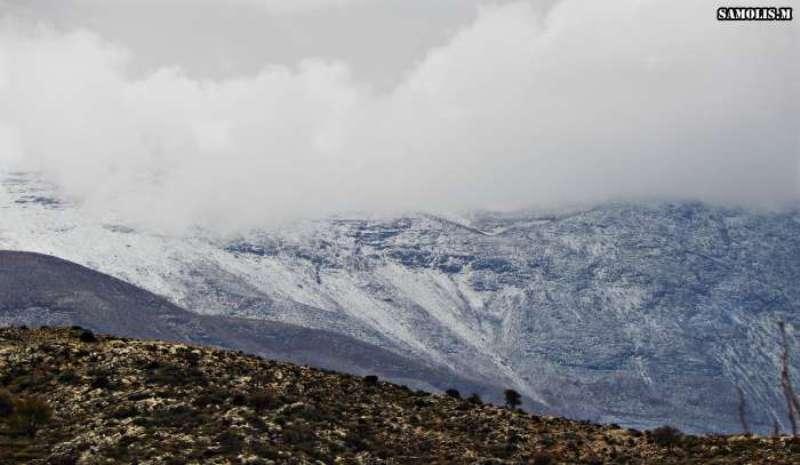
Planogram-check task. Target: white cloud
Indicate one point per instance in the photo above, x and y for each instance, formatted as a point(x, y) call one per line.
point(273, 6)
point(590, 103)
point(297, 6)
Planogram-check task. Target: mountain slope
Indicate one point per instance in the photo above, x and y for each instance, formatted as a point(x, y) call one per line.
point(129, 401)
point(641, 314)
point(42, 290)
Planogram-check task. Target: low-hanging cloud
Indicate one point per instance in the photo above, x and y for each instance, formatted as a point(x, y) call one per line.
point(273, 6)
point(585, 104)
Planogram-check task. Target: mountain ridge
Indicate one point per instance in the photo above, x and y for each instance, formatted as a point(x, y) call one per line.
point(673, 304)
point(38, 290)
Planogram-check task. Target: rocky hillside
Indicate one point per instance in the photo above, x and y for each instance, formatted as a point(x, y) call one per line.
point(70, 397)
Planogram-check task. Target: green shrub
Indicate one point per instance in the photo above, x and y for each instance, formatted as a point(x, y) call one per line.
point(453, 393)
point(125, 411)
point(542, 458)
point(513, 399)
point(87, 336)
point(262, 400)
point(65, 458)
point(230, 443)
point(68, 377)
point(355, 442)
point(239, 399)
point(101, 381)
point(6, 404)
point(30, 415)
point(174, 417)
point(592, 460)
point(299, 435)
point(212, 396)
point(666, 436)
point(173, 375)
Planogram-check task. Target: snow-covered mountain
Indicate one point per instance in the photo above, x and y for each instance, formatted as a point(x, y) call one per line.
point(37, 290)
point(641, 314)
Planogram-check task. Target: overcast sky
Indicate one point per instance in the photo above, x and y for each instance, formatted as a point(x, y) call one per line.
point(247, 112)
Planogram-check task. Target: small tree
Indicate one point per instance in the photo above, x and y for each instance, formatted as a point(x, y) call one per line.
point(792, 402)
point(776, 427)
point(475, 399)
point(453, 393)
point(742, 410)
point(666, 436)
point(513, 399)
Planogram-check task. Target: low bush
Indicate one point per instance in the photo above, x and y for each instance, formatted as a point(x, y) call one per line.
point(542, 458)
point(65, 458)
point(101, 382)
point(6, 404)
point(513, 398)
point(213, 396)
point(592, 460)
point(666, 436)
point(261, 401)
point(30, 415)
point(230, 442)
point(125, 411)
point(173, 375)
point(68, 377)
point(87, 336)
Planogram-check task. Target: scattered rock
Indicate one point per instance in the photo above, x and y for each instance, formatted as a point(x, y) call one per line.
point(130, 401)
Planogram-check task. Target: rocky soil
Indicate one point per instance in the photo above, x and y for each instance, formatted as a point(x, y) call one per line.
point(70, 397)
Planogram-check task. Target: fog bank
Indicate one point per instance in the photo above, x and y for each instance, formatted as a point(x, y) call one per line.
point(585, 103)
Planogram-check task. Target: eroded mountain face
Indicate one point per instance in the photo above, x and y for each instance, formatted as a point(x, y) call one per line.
point(641, 314)
point(41, 290)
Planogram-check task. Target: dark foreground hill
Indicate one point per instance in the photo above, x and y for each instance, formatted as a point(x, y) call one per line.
point(74, 398)
point(38, 290)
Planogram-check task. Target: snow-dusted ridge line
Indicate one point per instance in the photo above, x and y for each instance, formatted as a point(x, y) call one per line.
point(640, 314)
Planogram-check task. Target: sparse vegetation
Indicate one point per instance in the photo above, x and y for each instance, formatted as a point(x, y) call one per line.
point(86, 336)
point(453, 393)
point(169, 407)
point(592, 460)
point(29, 415)
point(68, 377)
point(742, 410)
point(792, 401)
point(542, 458)
point(666, 436)
point(6, 404)
point(262, 401)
